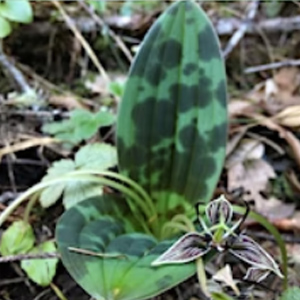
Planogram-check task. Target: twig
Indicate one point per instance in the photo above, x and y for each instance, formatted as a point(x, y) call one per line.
point(45, 255)
point(275, 65)
point(84, 43)
point(116, 38)
point(224, 27)
point(229, 25)
point(9, 195)
point(11, 281)
point(14, 72)
point(238, 35)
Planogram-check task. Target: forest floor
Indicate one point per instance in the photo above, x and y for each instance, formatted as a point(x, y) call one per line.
point(260, 43)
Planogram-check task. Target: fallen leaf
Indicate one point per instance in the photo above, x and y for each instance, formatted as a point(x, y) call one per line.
point(238, 107)
point(252, 175)
point(247, 149)
point(67, 101)
point(274, 209)
point(287, 80)
point(289, 117)
point(247, 170)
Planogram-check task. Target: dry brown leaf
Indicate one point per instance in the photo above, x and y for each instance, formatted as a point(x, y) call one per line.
point(225, 276)
point(68, 101)
point(247, 170)
point(252, 175)
point(289, 117)
point(287, 80)
point(292, 224)
point(274, 209)
point(238, 107)
point(290, 138)
point(247, 149)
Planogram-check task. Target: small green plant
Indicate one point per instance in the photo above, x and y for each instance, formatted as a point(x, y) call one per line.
point(13, 11)
point(171, 137)
point(19, 239)
point(81, 126)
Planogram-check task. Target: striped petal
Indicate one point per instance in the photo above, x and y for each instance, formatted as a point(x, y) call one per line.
point(256, 274)
point(188, 248)
point(218, 209)
point(252, 253)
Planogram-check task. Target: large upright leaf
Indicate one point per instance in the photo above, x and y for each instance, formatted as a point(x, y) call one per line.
point(102, 225)
point(172, 122)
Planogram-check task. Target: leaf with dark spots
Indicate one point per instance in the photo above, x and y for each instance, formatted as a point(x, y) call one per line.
point(221, 93)
point(118, 265)
point(190, 68)
point(219, 138)
point(208, 47)
point(155, 73)
point(171, 134)
point(169, 53)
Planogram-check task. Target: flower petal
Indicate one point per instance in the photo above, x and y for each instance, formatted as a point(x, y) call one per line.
point(256, 274)
point(217, 208)
point(188, 248)
point(251, 252)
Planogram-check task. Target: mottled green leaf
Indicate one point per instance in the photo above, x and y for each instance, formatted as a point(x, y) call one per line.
point(292, 293)
point(5, 28)
point(102, 226)
point(41, 271)
point(18, 238)
point(93, 156)
point(172, 121)
point(17, 10)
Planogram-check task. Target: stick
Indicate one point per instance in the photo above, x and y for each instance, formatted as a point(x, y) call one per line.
point(239, 34)
point(18, 257)
point(276, 65)
point(14, 72)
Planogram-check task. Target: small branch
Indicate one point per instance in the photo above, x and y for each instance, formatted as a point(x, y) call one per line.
point(114, 36)
point(71, 24)
point(229, 25)
point(224, 27)
point(45, 255)
point(239, 34)
point(13, 72)
point(275, 65)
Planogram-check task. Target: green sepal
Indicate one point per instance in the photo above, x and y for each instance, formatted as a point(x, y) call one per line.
point(172, 122)
point(126, 272)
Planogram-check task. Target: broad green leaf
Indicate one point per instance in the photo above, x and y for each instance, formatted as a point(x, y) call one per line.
point(41, 271)
point(94, 156)
point(51, 194)
point(17, 10)
point(99, 6)
point(81, 126)
point(220, 296)
point(5, 28)
point(292, 293)
point(172, 121)
point(18, 238)
point(102, 226)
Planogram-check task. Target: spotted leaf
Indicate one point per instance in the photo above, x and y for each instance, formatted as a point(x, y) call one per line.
point(172, 120)
point(117, 261)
